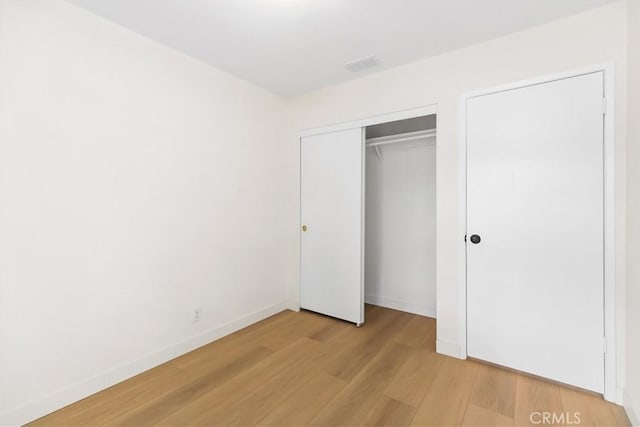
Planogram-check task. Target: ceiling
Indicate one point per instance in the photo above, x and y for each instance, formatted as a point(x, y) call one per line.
point(293, 46)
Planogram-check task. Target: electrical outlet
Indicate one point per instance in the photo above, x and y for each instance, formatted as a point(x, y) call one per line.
point(197, 314)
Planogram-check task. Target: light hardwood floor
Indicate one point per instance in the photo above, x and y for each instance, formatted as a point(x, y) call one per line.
point(305, 369)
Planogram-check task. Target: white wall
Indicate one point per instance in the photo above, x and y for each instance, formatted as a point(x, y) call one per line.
point(135, 185)
point(401, 227)
point(633, 214)
point(592, 37)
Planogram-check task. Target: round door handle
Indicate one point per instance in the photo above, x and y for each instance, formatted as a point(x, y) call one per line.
point(304, 228)
point(475, 239)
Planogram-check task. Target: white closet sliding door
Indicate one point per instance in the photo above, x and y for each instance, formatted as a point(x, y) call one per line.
point(535, 222)
point(332, 250)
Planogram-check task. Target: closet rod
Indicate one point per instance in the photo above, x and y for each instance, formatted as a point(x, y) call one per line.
point(411, 136)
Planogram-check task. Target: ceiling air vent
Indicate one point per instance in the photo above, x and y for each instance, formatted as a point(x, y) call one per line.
point(363, 64)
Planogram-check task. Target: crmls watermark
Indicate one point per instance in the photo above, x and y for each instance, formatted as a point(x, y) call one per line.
point(555, 418)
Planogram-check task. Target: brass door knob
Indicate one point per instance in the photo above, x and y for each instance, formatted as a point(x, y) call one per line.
point(304, 228)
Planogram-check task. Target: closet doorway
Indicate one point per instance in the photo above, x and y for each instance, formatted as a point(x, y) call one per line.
point(400, 215)
point(368, 216)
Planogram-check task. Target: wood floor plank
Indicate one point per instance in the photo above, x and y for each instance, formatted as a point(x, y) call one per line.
point(271, 394)
point(482, 417)
point(446, 401)
point(305, 402)
point(352, 404)
point(229, 359)
point(248, 336)
point(619, 415)
point(419, 332)
point(389, 412)
point(494, 389)
point(297, 369)
point(306, 323)
point(355, 348)
point(414, 378)
point(155, 410)
point(107, 405)
point(533, 397)
point(592, 410)
point(328, 331)
point(215, 403)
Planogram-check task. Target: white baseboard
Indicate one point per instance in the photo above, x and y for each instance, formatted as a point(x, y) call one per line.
point(401, 305)
point(63, 397)
point(619, 396)
point(449, 348)
point(294, 305)
point(633, 412)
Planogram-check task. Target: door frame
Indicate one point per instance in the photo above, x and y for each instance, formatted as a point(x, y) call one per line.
point(362, 123)
point(410, 113)
point(611, 392)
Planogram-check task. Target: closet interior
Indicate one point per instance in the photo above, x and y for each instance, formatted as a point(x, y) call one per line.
point(400, 215)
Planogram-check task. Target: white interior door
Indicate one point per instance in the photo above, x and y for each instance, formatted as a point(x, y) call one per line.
point(535, 197)
point(332, 236)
